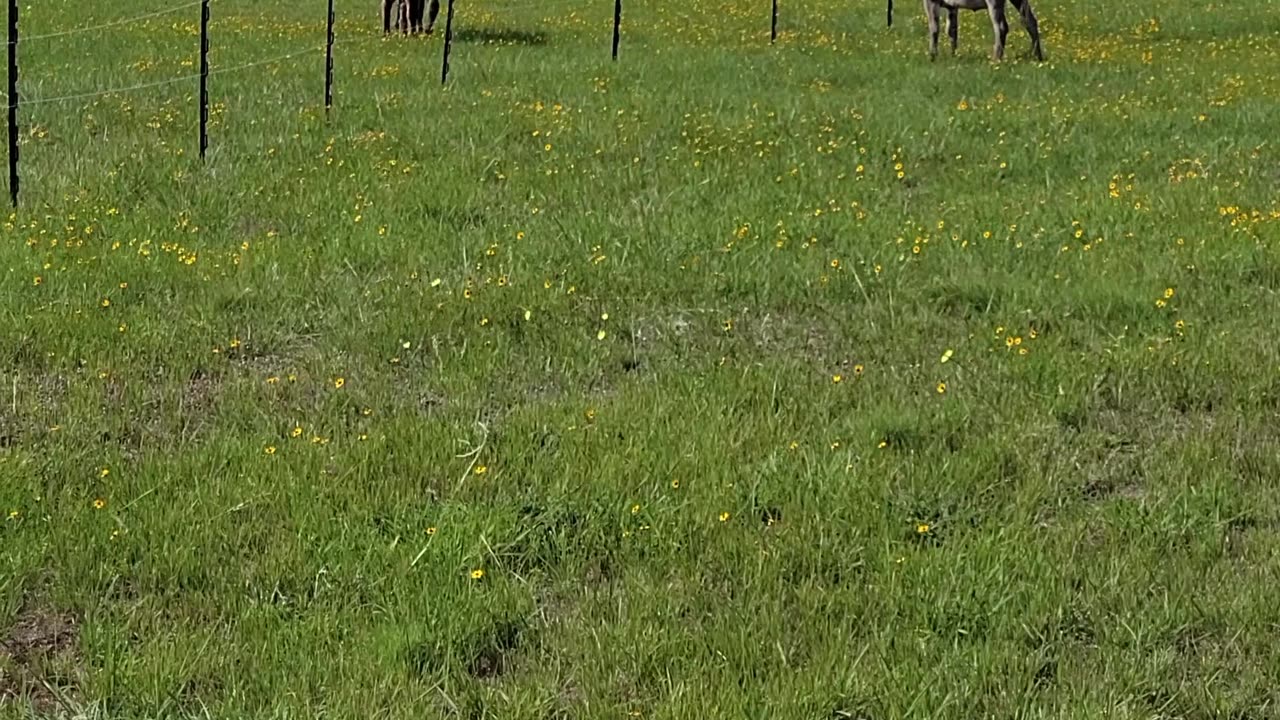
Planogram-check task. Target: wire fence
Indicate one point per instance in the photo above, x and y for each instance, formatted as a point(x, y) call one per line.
point(15, 100)
point(541, 7)
point(115, 23)
point(310, 49)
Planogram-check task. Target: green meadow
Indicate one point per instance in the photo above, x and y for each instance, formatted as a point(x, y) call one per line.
point(732, 380)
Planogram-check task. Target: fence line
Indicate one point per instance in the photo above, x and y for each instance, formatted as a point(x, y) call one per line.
point(193, 76)
point(219, 71)
point(544, 7)
point(12, 96)
point(170, 81)
point(194, 3)
point(114, 23)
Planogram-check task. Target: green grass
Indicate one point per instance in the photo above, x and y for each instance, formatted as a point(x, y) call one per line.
point(579, 325)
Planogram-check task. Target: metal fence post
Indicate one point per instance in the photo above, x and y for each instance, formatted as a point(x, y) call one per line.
point(617, 26)
point(13, 101)
point(448, 44)
point(328, 63)
point(204, 77)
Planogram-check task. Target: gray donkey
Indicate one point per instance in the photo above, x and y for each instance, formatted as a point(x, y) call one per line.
point(953, 23)
point(407, 15)
point(995, 8)
point(952, 20)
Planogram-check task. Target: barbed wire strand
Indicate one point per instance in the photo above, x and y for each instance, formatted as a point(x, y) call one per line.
point(539, 6)
point(113, 23)
point(169, 81)
point(195, 76)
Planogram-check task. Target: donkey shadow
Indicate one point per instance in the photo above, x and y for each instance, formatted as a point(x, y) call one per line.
point(500, 36)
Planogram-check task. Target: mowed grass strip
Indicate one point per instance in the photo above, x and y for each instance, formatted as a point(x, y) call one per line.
point(724, 381)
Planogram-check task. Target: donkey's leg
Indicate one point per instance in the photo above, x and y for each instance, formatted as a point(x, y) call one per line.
point(415, 15)
point(386, 16)
point(953, 28)
point(1031, 24)
point(432, 13)
point(1001, 27)
point(397, 15)
point(931, 13)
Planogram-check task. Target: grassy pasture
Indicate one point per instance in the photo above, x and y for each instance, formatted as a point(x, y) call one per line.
point(725, 381)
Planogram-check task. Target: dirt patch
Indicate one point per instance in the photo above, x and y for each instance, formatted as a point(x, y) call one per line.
point(1116, 473)
point(9, 435)
point(50, 391)
point(494, 651)
point(196, 398)
point(199, 393)
point(252, 226)
point(260, 364)
point(39, 658)
point(36, 406)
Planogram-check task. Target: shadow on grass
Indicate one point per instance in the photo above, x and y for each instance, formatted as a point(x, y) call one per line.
point(453, 217)
point(500, 36)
